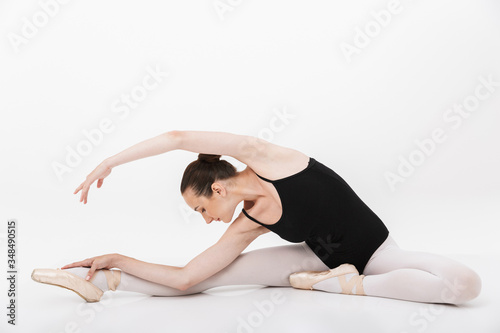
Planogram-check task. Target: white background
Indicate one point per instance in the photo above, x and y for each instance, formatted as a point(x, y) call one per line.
point(234, 71)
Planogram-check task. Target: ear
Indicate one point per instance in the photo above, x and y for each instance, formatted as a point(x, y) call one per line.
point(217, 188)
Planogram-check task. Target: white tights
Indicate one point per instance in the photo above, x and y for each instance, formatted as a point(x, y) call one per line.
point(418, 276)
point(391, 272)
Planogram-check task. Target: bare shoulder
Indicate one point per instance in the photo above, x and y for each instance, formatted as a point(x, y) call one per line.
point(277, 162)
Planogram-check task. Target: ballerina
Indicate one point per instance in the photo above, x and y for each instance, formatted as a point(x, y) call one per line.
point(341, 245)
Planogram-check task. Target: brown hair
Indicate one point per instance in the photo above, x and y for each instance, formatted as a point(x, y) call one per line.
point(202, 173)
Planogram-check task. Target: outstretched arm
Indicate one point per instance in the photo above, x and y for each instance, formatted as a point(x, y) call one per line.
point(236, 238)
point(207, 142)
point(170, 276)
point(242, 147)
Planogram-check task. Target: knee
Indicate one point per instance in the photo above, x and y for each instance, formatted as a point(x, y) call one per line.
point(461, 287)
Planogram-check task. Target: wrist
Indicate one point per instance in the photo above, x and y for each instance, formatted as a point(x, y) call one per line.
point(109, 162)
point(119, 260)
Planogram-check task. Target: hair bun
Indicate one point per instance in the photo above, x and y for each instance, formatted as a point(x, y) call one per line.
point(209, 158)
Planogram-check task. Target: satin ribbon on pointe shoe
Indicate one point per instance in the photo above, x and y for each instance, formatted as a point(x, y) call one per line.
point(347, 287)
point(113, 278)
point(306, 279)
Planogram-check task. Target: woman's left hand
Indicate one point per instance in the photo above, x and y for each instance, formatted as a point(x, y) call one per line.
point(99, 173)
point(105, 261)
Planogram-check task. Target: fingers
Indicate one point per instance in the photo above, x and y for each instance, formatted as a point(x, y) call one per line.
point(85, 191)
point(71, 265)
point(91, 178)
point(82, 195)
point(86, 262)
point(78, 188)
point(91, 271)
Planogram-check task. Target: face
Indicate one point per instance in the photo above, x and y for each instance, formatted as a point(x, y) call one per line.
point(216, 208)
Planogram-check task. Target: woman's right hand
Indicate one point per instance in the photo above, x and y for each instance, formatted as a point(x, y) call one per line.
point(106, 261)
point(100, 172)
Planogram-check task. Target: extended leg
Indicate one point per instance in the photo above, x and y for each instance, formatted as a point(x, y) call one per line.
point(268, 266)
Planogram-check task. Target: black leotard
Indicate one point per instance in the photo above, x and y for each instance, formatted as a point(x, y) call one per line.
point(320, 208)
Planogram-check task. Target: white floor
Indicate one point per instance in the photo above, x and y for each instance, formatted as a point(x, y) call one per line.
point(45, 308)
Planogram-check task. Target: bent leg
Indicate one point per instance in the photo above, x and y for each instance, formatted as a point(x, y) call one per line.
point(418, 276)
point(268, 266)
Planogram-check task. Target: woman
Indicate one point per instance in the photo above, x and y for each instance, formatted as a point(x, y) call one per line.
point(343, 247)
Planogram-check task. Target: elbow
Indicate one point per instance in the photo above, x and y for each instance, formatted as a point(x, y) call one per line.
point(183, 287)
point(174, 138)
point(174, 134)
point(184, 282)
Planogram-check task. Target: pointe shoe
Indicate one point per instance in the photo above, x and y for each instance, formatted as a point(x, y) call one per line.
point(306, 279)
point(85, 289)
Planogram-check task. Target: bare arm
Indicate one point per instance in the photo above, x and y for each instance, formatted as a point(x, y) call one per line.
point(158, 145)
point(242, 147)
point(162, 274)
point(207, 142)
point(221, 254)
point(171, 276)
point(206, 264)
point(236, 238)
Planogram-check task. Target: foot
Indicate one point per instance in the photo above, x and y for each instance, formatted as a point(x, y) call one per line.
point(343, 279)
point(85, 289)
